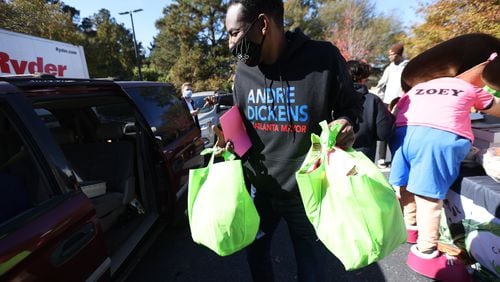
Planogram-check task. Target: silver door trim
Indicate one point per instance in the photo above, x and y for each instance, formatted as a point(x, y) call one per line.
point(96, 275)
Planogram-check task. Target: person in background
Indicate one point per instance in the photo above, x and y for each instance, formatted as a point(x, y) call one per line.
point(378, 122)
point(389, 88)
point(433, 136)
point(285, 84)
point(187, 93)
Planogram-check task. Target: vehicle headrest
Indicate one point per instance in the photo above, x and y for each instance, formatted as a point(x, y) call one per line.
point(63, 135)
point(108, 131)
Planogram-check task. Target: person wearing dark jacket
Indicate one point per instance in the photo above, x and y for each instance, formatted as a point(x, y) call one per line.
point(378, 122)
point(285, 84)
point(187, 93)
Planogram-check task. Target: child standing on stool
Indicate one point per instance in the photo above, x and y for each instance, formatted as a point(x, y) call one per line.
point(432, 137)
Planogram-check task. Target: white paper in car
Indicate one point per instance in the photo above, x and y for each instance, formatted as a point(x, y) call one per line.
point(235, 131)
point(93, 188)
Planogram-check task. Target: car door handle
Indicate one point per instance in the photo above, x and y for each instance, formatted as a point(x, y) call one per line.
point(74, 244)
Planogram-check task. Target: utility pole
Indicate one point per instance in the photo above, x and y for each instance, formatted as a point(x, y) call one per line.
point(137, 58)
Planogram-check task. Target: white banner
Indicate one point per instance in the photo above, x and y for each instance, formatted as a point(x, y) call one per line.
point(25, 54)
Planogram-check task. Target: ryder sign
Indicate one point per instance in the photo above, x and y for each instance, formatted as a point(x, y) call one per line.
point(25, 54)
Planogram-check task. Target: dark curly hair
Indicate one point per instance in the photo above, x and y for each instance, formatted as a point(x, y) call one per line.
point(358, 70)
point(252, 9)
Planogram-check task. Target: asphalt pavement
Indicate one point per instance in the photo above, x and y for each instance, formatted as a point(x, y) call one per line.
point(175, 257)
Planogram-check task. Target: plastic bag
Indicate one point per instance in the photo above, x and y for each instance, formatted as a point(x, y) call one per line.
point(222, 215)
point(481, 242)
point(348, 200)
point(491, 163)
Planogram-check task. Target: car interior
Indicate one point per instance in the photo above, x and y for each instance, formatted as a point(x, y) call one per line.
point(128, 153)
point(106, 165)
point(98, 137)
point(105, 160)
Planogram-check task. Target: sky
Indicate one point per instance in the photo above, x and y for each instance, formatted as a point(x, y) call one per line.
point(144, 21)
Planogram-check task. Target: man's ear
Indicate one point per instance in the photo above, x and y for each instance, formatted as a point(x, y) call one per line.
point(265, 22)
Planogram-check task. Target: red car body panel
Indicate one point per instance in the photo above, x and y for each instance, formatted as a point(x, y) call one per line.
point(37, 244)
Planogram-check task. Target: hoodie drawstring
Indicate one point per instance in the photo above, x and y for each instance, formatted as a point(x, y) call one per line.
point(287, 103)
point(288, 106)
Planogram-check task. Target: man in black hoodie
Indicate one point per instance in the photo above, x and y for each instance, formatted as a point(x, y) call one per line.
point(285, 84)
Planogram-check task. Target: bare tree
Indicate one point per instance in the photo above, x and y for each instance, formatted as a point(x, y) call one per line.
point(357, 31)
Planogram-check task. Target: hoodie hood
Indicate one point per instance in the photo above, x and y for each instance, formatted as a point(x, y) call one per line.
point(361, 88)
point(295, 40)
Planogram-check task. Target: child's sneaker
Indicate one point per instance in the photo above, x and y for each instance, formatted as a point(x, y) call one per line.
point(437, 266)
point(381, 163)
point(412, 234)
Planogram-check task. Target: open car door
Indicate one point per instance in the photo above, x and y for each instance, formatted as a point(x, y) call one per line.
point(48, 228)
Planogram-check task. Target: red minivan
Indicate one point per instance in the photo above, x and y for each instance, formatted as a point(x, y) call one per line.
point(90, 172)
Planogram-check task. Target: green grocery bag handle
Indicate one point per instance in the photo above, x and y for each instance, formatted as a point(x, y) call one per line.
point(323, 143)
point(228, 156)
point(328, 136)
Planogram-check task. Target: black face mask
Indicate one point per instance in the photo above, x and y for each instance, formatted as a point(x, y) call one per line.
point(246, 51)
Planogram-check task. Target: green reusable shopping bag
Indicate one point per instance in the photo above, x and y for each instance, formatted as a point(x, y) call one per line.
point(222, 215)
point(348, 200)
point(481, 242)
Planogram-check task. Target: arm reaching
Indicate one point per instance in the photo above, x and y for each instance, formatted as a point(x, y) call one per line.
point(494, 109)
point(221, 142)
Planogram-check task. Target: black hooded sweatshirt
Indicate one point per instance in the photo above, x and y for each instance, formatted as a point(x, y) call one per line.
point(283, 103)
point(377, 124)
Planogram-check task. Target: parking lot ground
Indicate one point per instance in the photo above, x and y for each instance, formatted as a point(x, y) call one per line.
point(175, 257)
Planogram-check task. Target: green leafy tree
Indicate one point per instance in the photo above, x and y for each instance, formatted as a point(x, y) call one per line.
point(149, 71)
point(109, 47)
point(47, 19)
point(192, 45)
point(445, 19)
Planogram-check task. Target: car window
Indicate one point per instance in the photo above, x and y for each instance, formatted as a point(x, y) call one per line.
point(121, 112)
point(167, 115)
point(23, 186)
